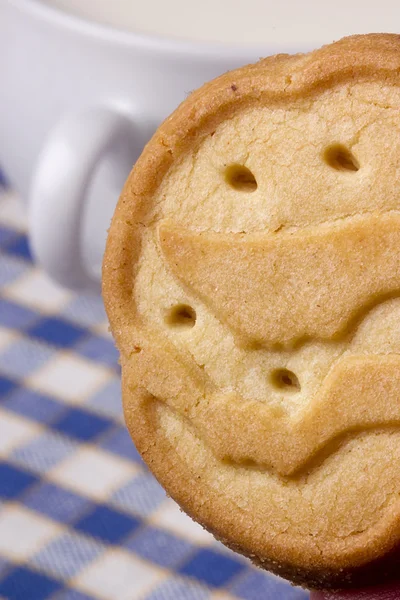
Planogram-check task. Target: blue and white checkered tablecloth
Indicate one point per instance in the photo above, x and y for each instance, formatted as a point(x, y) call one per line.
point(81, 517)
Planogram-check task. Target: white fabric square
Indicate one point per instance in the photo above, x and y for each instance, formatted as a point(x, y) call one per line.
point(117, 574)
point(15, 431)
point(37, 291)
point(69, 378)
point(93, 472)
point(103, 329)
point(13, 212)
point(23, 533)
point(170, 517)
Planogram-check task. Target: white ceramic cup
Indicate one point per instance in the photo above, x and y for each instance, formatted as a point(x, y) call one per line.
point(78, 101)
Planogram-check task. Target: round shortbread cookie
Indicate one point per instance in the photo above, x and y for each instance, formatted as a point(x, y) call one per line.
point(252, 282)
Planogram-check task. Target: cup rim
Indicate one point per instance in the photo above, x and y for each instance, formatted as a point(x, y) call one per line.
point(154, 42)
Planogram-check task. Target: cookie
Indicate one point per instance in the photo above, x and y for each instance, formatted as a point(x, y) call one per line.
point(252, 283)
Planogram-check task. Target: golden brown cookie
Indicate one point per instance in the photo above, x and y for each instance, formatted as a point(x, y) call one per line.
point(252, 282)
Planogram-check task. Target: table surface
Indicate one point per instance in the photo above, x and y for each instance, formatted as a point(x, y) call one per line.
point(81, 517)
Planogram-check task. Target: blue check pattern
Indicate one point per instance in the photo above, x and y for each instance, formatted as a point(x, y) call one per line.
point(81, 517)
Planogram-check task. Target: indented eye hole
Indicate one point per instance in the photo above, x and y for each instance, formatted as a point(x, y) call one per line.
point(240, 178)
point(340, 158)
point(283, 379)
point(181, 316)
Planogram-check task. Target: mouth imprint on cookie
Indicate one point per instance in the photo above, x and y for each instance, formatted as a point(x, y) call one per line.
point(316, 283)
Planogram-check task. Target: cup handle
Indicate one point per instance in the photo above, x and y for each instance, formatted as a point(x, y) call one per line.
point(59, 192)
